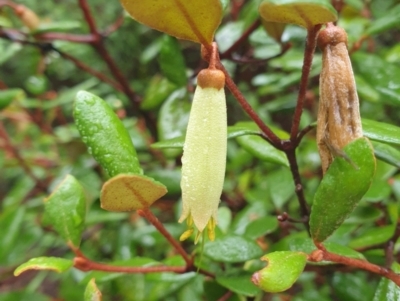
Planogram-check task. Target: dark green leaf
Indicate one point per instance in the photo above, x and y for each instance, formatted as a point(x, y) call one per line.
point(232, 248)
point(157, 91)
point(172, 62)
point(381, 132)
point(372, 237)
point(239, 284)
point(386, 153)
point(66, 209)
point(341, 189)
point(261, 227)
point(56, 264)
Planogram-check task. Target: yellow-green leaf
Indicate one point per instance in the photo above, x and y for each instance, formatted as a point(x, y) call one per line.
point(195, 20)
point(305, 13)
point(56, 264)
point(92, 293)
point(127, 192)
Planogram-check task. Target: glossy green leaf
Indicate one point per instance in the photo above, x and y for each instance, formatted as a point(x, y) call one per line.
point(194, 21)
point(158, 89)
point(172, 62)
point(261, 227)
point(65, 210)
point(232, 248)
point(173, 119)
point(56, 264)
point(260, 148)
point(127, 192)
point(387, 153)
point(171, 178)
point(341, 189)
point(282, 270)
point(387, 289)
point(92, 293)
point(9, 95)
point(381, 132)
point(104, 134)
point(305, 13)
point(350, 286)
point(380, 74)
point(373, 237)
point(241, 285)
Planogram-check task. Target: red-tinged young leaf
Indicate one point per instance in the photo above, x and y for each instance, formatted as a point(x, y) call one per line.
point(305, 13)
point(65, 210)
point(282, 270)
point(56, 264)
point(195, 20)
point(342, 187)
point(127, 192)
point(104, 134)
point(387, 289)
point(92, 293)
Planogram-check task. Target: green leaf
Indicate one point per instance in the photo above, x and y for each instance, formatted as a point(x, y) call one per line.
point(11, 223)
point(306, 245)
point(195, 21)
point(36, 84)
point(9, 95)
point(241, 285)
point(387, 289)
point(274, 30)
point(261, 227)
point(65, 209)
point(172, 62)
point(386, 22)
point(58, 26)
point(373, 237)
point(157, 91)
point(282, 271)
point(387, 153)
point(56, 264)
point(92, 293)
point(341, 189)
point(381, 132)
point(260, 148)
point(380, 75)
point(127, 192)
point(104, 134)
point(305, 13)
point(232, 248)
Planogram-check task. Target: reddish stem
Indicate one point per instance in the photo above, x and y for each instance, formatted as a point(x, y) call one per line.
point(307, 62)
point(84, 264)
point(146, 213)
point(323, 254)
point(77, 38)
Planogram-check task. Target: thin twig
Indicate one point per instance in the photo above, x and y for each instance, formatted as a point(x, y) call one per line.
point(323, 254)
point(146, 213)
point(307, 62)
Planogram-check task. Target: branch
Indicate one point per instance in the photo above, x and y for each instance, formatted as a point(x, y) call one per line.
point(323, 254)
point(147, 214)
point(307, 62)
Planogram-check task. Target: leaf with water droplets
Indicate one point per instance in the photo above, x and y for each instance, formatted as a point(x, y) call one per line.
point(104, 134)
point(65, 210)
point(127, 192)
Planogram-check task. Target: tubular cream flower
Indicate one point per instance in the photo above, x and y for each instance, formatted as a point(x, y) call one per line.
point(204, 154)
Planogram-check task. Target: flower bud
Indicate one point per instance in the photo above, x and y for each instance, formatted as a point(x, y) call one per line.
point(204, 154)
point(339, 120)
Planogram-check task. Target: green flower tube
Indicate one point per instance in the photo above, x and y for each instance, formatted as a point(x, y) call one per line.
point(204, 154)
